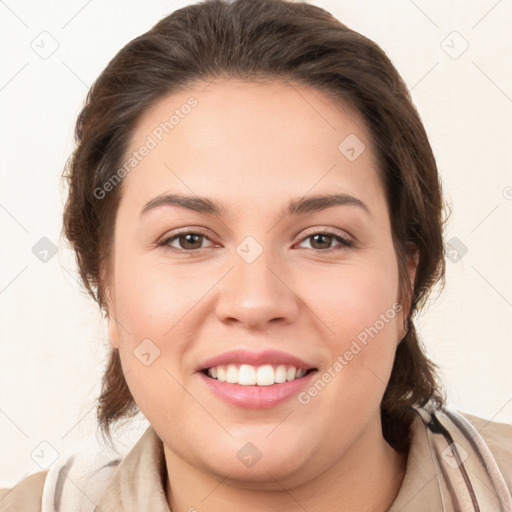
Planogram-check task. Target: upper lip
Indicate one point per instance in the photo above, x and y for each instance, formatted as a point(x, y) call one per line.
point(255, 359)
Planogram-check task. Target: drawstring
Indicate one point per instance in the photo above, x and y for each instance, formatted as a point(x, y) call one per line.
point(435, 426)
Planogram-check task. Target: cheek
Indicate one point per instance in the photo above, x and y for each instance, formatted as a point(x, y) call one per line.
point(152, 303)
point(356, 295)
point(364, 319)
point(153, 298)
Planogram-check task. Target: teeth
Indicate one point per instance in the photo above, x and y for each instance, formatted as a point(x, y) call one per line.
point(221, 373)
point(248, 375)
point(280, 375)
point(232, 374)
point(265, 375)
point(291, 373)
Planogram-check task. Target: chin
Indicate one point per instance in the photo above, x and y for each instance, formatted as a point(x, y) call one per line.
point(269, 475)
point(260, 463)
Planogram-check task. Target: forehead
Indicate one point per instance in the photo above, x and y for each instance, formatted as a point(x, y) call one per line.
point(265, 138)
point(213, 110)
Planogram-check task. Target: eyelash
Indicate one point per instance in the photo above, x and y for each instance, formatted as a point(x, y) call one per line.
point(345, 242)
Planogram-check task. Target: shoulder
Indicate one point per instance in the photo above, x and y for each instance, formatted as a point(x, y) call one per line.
point(25, 495)
point(87, 464)
point(498, 438)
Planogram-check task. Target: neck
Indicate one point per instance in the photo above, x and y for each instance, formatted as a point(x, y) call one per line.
point(367, 477)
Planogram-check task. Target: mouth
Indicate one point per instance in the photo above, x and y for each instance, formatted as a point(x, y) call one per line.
point(256, 375)
point(262, 386)
point(256, 380)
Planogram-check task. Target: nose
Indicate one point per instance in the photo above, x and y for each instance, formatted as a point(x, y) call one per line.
point(255, 294)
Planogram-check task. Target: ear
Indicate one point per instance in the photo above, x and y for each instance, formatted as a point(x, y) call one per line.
point(113, 332)
point(412, 266)
point(113, 329)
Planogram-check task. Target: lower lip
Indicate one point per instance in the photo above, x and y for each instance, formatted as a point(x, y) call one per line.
point(257, 397)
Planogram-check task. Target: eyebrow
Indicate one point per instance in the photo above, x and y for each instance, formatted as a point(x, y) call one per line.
point(298, 206)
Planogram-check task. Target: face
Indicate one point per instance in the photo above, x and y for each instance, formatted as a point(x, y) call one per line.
point(257, 288)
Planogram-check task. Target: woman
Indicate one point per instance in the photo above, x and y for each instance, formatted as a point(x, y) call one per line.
point(255, 206)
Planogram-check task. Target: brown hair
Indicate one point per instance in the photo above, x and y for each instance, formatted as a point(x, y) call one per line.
point(269, 40)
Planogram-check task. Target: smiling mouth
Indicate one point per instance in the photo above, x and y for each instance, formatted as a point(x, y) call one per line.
point(262, 375)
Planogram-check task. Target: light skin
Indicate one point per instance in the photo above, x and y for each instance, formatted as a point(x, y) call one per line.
point(253, 148)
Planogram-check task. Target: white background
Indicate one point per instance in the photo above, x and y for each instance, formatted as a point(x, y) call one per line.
point(53, 342)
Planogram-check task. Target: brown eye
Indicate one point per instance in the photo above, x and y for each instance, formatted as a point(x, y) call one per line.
point(184, 241)
point(190, 240)
point(322, 241)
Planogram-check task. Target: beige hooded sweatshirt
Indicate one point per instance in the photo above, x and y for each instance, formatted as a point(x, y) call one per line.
point(456, 462)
